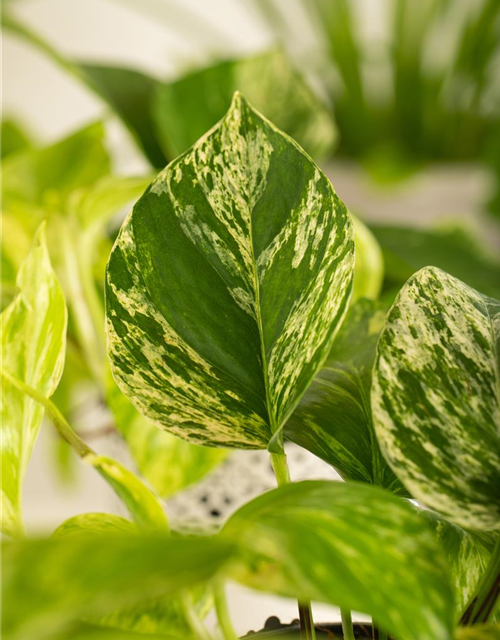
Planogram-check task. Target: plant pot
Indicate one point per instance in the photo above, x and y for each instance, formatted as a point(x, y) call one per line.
point(273, 628)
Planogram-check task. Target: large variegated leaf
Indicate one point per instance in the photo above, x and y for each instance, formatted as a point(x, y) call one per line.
point(186, 108)
point(33, 348)
point(48, 584)
point(333, 419)
point(227, 283)
point(435, 397)
point(168, 463)
point(352, 545)
point(468, 554)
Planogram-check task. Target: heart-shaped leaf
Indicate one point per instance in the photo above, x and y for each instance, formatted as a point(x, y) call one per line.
point(435, 397)
point(33, 348)
point(333, 419)
point(47, 584)
point(227, 283)
point(350, 544)
point(186, 108)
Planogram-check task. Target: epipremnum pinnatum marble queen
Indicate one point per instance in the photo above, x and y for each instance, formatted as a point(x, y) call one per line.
point(436, 397)
point(227, 283)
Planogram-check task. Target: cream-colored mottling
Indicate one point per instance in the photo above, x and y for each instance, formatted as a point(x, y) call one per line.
point(229, 166)
point(449, 488)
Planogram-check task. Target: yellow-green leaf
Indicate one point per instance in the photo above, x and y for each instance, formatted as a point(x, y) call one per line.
point(33, 350)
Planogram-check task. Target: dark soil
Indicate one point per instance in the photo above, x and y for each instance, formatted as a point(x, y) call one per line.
point(274, 629)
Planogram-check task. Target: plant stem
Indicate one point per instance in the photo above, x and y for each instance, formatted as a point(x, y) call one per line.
point(282, 473)
point(347, 629)
point(222, 610)
point(483, 602)
point(192, 618)
point(59, 421)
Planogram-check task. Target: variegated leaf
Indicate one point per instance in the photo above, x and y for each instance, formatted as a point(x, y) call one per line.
point(352, 545)
point(184, 109)
point(227, 283)
point(479, 632)
point(435, 397)
point(468, 554)
point(33, 348)
point(333, 419)
point(168, 463)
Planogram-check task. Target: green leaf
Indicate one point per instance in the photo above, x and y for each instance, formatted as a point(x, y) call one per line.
point(33, 348)
point(94, 523)
point(160, 615)
point(142, 504)
point(468, 554)
point(85, 631)
point(369, 271)
point(130, 94)
point(168, 463)
point(333, 420)
point(188, 107)
point(227, 283)
point(406, 250)
point(47, 584)
point(435, 397)
point(14, 138)
point(352, 545)
point(480, 632)
point(45, 177)
point(96, 204)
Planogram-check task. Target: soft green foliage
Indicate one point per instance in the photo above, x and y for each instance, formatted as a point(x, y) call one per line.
point(167, 462)
point(215, 232)
point(456, 251)
point(142, 504)
point(33, 349)
point(130, 94)
point(369, 271)
point(48, 584)
point(45, 177)
point(435, 397)
point(13, 137)
point(468, 553)
point(349, 544)
point(333, 420)
point(479, 632)
point(94, 524)
point(187, 108)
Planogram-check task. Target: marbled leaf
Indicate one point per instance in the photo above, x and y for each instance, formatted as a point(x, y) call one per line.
point(435, 397)
point(227, 284)
point(352, 545)
point(333, 419)
point(33, 349)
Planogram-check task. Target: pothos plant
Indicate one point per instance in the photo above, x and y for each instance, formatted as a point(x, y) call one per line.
point(229, 323)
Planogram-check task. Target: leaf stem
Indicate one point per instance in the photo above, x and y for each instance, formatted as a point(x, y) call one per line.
point(222, 610)
point(347, 629)
point(59, 421)
point(282, 473)
point(192, 618)
point(483, 602)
